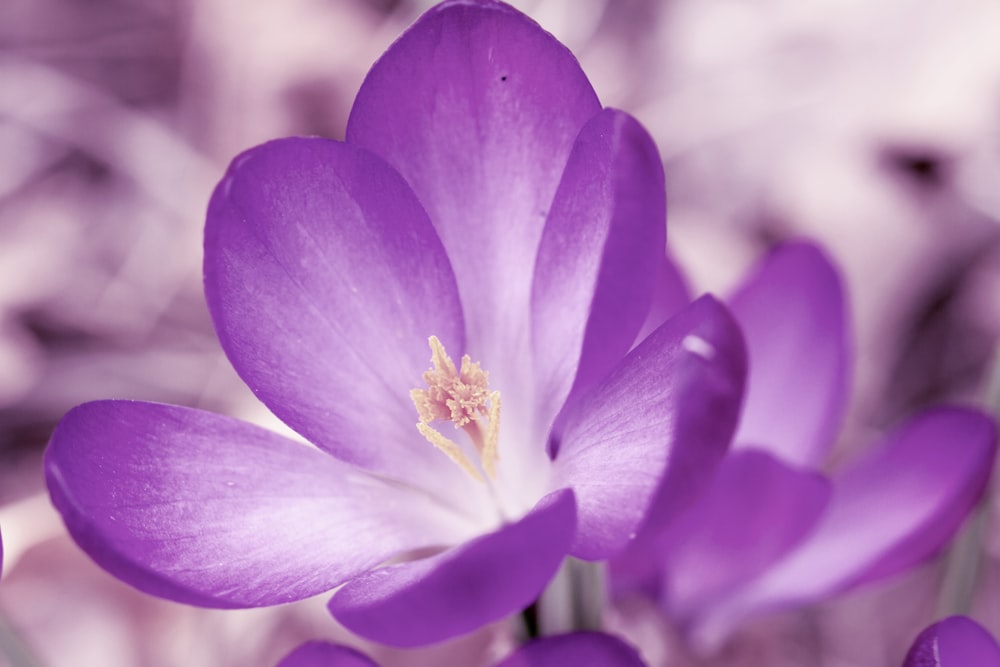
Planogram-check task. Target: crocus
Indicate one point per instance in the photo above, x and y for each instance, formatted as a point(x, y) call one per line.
point(957, 641)
point(580, 649)
point(421, 302)
point(774, 529)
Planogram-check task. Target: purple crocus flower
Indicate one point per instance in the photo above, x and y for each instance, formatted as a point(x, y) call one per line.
point(957, 641)
point(773, 530)
point(485, 213)
point(580, 649)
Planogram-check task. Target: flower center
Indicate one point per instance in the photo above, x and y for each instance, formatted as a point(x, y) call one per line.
point(461, 396)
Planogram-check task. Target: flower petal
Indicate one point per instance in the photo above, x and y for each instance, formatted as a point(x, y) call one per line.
point(325, 280)
point(889, 511)
point(928, 476)
point(665, 414)
point(598, 259)
point(580, 649)
point(793, 314)
point(478, 107)
point(204, 509)
point(670, 295)
point(459, 590)
point(754, 511)
point(323, 654)
point(957, 641)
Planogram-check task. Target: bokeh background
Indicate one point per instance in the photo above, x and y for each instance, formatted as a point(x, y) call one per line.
point(870, 126)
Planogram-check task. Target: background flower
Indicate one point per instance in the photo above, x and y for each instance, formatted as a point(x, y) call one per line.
point(587, 649)
point(772, 532)
point(957, 640)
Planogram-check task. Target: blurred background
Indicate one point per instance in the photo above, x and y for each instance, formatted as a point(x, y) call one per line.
point(871, 126)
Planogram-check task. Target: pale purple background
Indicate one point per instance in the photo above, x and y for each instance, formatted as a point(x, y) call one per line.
point(872, 127)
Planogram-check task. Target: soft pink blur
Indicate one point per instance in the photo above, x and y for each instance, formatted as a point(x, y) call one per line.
point(873, 127)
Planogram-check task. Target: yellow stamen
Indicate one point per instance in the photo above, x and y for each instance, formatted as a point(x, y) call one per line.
point(453, 451)
point(462, 396)
point(489, 451)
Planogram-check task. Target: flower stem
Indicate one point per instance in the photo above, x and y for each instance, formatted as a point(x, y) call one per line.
point(962, 568)
point(574, 599)
point(964, 563)
point(14, 649)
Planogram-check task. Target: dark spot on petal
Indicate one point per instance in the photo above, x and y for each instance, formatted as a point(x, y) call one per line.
point(503, 78)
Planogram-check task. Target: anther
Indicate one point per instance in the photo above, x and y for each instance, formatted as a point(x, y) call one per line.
point(459, 395)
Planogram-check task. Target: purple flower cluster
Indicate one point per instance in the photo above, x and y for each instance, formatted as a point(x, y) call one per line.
point(772, 529)
point(465, 311)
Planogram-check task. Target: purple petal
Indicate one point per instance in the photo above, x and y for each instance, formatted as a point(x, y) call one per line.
point(322, 654)
point(793, 314)
point(754, 511)
point(890, 511)
point(478, 108)
point(598, 258)
point(457, 591)
point(670, 295)
point(956, 641)
point(580, 649)
point(665, 414)
point(211, 511)
point(325, 280)
point(938, 465)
